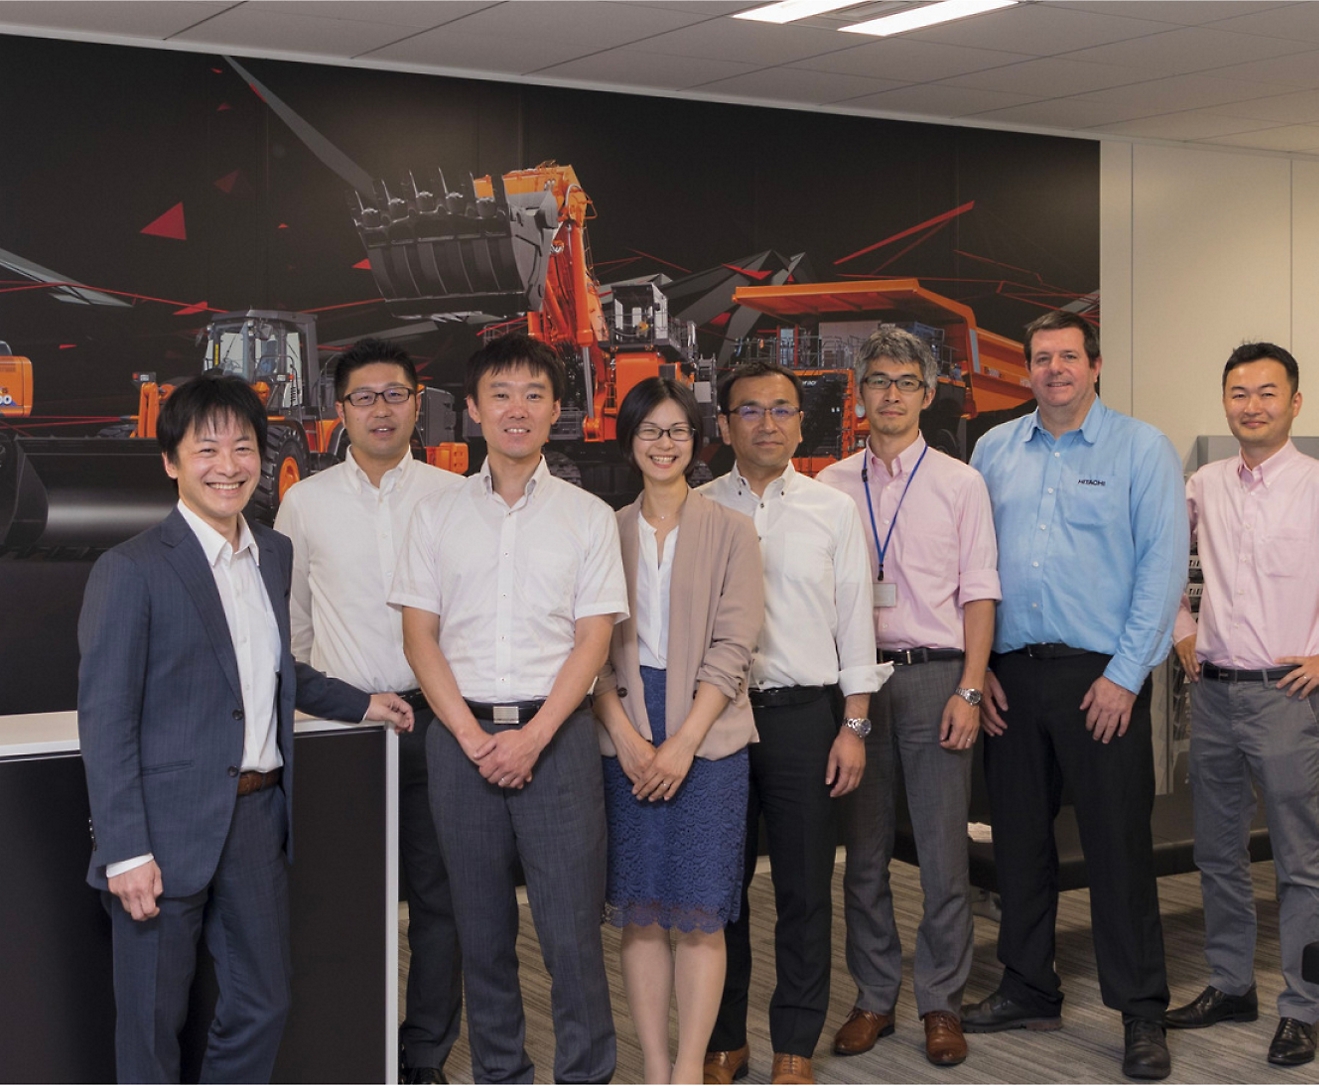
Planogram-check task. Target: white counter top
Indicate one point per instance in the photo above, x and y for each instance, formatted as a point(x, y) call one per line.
point(43, 734)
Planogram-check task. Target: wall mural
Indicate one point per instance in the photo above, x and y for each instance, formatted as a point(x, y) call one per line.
point(166, 212)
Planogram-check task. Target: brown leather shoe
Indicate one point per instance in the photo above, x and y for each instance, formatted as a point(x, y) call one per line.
point(860, 1032)
point(792, 1069)
point(944, 1044)
point(724, 1068)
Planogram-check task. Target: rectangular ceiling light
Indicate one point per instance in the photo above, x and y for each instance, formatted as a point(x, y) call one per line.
point(929, 15)
point(788, 11)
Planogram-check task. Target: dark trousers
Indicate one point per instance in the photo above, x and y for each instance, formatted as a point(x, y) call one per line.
point(1044, 747)
point(787, 785)
point(435, 982)
point(244, 916)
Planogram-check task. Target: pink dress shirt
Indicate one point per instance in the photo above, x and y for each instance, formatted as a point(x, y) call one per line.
point(1257, 532)
point(943, 554)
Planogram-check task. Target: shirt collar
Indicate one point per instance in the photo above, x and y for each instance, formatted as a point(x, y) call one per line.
point(213, 543)
point(776, 487)
point(907, 459)
point(537, 479)
point(1090, 427)
point(1268, 471)
point(392, 478)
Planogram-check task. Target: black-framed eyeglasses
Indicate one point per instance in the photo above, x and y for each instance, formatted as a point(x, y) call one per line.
point(753, 412)
point(679, 432)
point(906, 383)
point(394, 394)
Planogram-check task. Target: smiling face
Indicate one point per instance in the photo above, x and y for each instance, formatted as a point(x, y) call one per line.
point(1260, 406)
point(515, 409)
point(890, 412)
point(217, 466)
point(381, 433)
point(1061, 376)
point(763, 447)
point(663, 460)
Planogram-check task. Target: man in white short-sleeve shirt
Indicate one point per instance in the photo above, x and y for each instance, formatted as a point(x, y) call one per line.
point(510, 586)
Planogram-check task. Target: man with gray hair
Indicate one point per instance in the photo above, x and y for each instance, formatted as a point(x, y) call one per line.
point(935, 586)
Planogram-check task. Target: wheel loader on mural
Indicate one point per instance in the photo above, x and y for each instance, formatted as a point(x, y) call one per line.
point(510, 252)
point(92, 492)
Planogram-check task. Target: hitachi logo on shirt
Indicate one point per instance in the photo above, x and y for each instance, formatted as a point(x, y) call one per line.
point(1091, 482)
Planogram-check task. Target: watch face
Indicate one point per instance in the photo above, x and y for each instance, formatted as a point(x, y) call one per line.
point(971, 697)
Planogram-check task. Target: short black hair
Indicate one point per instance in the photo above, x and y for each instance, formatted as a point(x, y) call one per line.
point(747, 370)
point(367, 352)
point(1257, 352)
point(513, 350)
point(209, 400)
point(644, 397)
point(1055, 321)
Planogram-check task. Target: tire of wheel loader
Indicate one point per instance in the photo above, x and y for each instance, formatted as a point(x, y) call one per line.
point(283, 465)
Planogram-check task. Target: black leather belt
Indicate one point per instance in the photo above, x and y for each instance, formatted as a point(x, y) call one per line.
point(1050, 650)
point(776, 697)
point(1241, 675)
point(918, 656)
point(416, 699)
point(512, 712)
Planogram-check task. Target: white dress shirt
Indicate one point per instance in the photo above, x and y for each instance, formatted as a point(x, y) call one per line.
point(347, 537)
point(819, 628)
point(510, 583)
point(255, 637)
point(654, 576)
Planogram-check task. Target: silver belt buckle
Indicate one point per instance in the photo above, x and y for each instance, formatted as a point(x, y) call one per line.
point(506, 714)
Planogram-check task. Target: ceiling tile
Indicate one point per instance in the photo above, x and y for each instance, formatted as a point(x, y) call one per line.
point(1179, 92)
point(158, 21)
point(1039, 30)
point(910, 61)
point(1182, 12)
point(936, 100)
point(1071, 113)
point(1296, 69)
point(761, 44)
point(1292, 137)
point(637, 68)
point(1049, 77)
point(455, 47)
point(1294, 22)
point(698, 7)
point(798, 85)
point(418, 14)
point(1188, 125)
point(1189, 49)
point(1300, 107)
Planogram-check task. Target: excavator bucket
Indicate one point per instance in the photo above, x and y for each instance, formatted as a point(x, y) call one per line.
point(61, 492)
point(437, 252)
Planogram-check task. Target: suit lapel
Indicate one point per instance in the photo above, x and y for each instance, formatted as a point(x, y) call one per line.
point(185, 554)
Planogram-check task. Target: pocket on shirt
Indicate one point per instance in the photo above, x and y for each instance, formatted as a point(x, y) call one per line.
point(932, 553)
point(1091, 506)
point(1284, 554)
point(548, 578)
point(805, 557)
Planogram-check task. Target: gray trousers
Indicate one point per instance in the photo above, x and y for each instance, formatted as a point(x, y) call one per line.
point(1242, 732)
point(554, 828)
point(905, 716)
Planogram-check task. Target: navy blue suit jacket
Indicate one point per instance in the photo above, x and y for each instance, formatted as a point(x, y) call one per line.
point(160, 708)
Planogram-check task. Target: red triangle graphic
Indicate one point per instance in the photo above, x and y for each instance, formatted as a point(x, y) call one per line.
point(169, 225)
point(227, 182)
point(188, 310)
point(365, 265)
point(67, 346)
point(282, 226)
point(222, 107)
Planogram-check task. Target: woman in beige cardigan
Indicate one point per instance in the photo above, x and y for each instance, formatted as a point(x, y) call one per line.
point(675, 724)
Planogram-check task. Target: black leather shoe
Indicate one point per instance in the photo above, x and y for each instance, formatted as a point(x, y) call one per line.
point(1212, 1006)
point(1146, 1053)
point(998, 1012)
point(1293, 1044)
point(422, 1074)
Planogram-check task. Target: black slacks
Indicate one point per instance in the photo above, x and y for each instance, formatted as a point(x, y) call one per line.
point(1045, 746)
point(787, 771)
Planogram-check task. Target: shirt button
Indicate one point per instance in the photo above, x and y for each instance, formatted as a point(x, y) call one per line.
point(1043, 528)
point(1036, 565)
point(1035, 605)
point(1057, 454)
point(1050, 490)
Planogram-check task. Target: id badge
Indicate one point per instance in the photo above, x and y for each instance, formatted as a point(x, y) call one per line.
point(886, 593)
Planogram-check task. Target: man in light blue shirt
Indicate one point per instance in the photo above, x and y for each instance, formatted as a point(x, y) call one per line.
point(1093, 540)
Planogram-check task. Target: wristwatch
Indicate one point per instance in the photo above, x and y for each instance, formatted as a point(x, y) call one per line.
point(858, 726)
point(969, 695)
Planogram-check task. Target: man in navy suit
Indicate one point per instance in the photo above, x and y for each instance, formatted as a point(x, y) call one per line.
point(185, 714)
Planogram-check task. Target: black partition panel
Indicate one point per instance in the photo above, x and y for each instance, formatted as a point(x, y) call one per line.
point(56, 1001)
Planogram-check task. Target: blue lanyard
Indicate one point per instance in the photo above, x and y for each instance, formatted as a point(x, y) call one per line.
point(865, 482)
